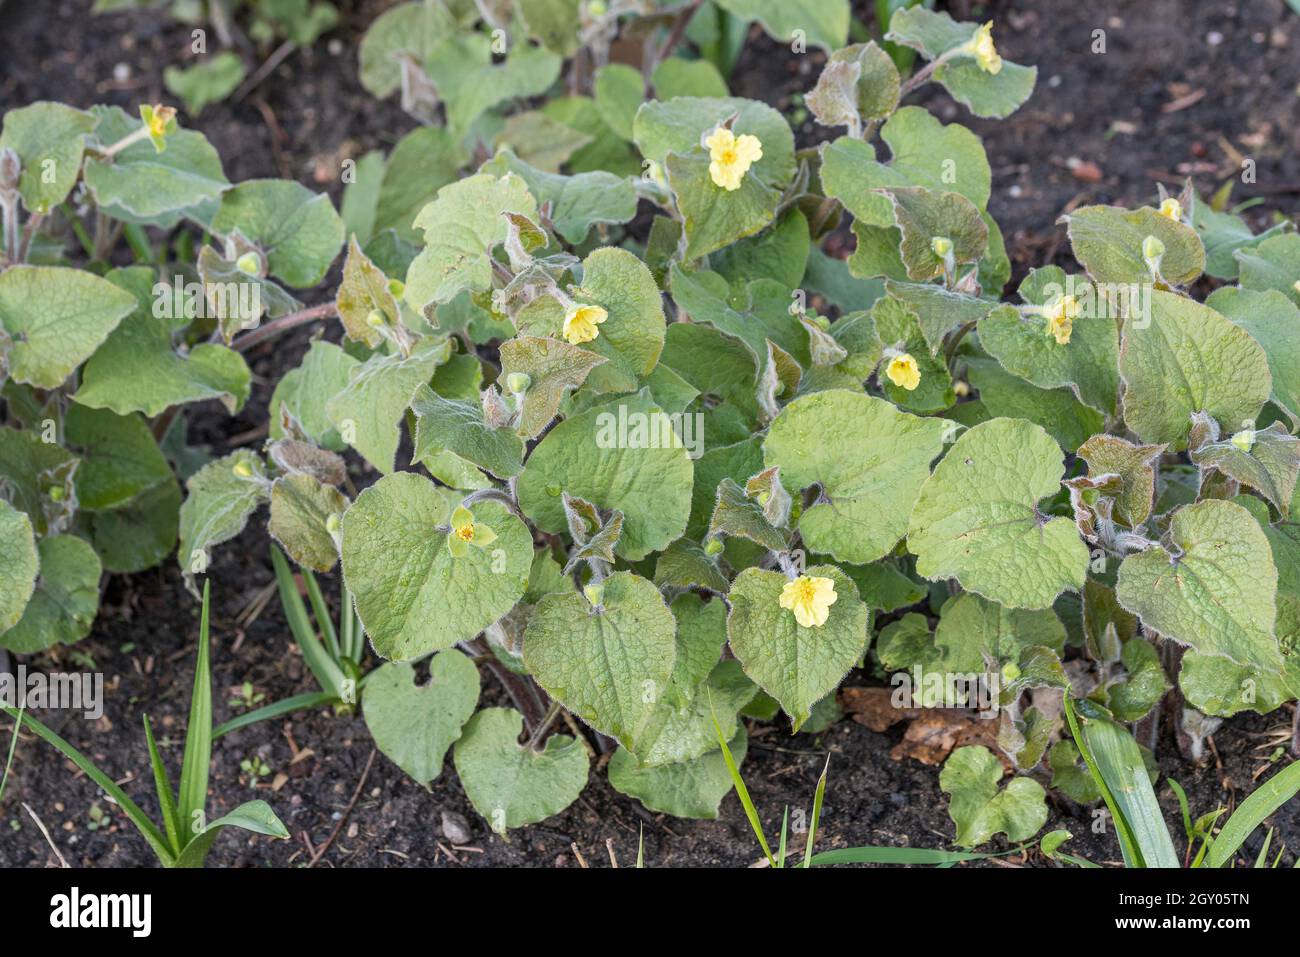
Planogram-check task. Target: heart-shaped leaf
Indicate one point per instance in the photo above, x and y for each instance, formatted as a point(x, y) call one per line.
point(415, 724)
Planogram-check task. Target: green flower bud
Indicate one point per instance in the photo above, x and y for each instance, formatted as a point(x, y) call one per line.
point(1010, 672)
point(595, 593)
point(1244, 440)
point(713, 546)
point(248, 264)
point(56, 493)
point(1152, 248)
point(518, 382)
point(242, 469)
point(396, 287)
point(332, 523)
point(376, 319)
point(597, 8)
point(942, 246)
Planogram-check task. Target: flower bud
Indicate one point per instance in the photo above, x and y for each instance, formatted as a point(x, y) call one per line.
point(595, 592)
point(242, 469)
point(518, 382)
point(713, 547)
point(1010, 672)
point(332, 523)
point(56, 493)
point(375, 319)
point(248, 264)
point(1244, 440)
point(396, 287)
point(1152, 248)
point(942, 246)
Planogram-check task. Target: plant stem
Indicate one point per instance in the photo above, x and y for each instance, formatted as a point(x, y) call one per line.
point(129, 140)
point(282, 325)
point(678, 31)
point(551, 714)
point(919, 78)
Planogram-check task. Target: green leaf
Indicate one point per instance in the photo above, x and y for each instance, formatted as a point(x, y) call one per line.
point(413, 724)
point(464, 73)
point(1189, 359)
point(138, 536)
point(1215, 591)
point(859, 83)
point(208, 82)
point(50, 139)
point(577, 202)
point(986, 94)
point(632, 335)
point(937, 310)
point(1022, 343)
point(924, 152)
point(20, 566)
point(369, 410)
point(510, 784)
point(756, 314)
point(619, 91)
point(869, 493)
point(138, 369)
point(256, 817)
point(305, 392)
point(364, 292)
point(977, 518)
point(690, 789)
point(1068, 420)
point(1270, 466)
point(30, 469)
point(681, 726)
point(797, 666)
point(57, 317)
point(970, 777)
point(554, 368)
point(1272, 264)
point(676, 76)
point(554, 23)
point(300, 508)
point(120, 460)
point(1223, 234)
point(971, 627)
point(1108, 241)
point(142, 185)
point(430, 599)
point(1136, 467)
point(461, 229)
point(411, 29)
point(459, 427)
point(217, 507)
point(423, 161)
point(623, 455)
point(1274, 322)
point(609, 664)
point(1069, 776)
point(823, 23)
point(299, 230)
point(1261, 803)
point(63, 605)
point(922, 216)
point(192, 792)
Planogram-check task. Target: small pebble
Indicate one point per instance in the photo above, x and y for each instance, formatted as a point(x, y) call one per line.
point(122, 72)
point(1214, 38)
point(455, 828)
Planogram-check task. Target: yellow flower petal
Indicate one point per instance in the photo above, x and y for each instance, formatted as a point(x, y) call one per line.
point(986, 54)
point(904, 372)
point(1172, 209)
point(731, 157)
point(580, 323)
point(810, 599)
point(1061, 314)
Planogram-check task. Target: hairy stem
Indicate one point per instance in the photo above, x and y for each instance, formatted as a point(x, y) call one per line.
point(282, 325)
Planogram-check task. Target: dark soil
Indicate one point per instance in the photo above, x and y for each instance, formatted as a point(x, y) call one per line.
point(308, 116)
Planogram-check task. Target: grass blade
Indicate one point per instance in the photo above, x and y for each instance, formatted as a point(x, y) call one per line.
point(1263, 801)
point(1127, 846)
point(894, 855)
point(321, 610)
point(193, 796)
point(1118, 762)
point(157, 840)
point(299, 702)
point(327, 673)
point(741, 791)
point(785, 825)
point(816, 813)
point(13, 743)
point(166, 796)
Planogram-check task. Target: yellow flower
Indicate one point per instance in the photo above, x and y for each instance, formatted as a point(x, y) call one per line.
point(1061, 314)
point(580, 323)
point(1172, 209)
point(160, 118)
point(810, 599)
point(903, 371)
point(464, 532)
point(731, 156)
point(986, 54)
